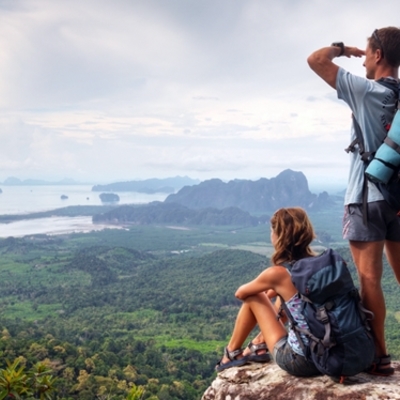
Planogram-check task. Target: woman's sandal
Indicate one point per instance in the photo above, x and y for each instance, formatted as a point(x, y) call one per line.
point(379, 366)
point(254, 357)
point(233, 361)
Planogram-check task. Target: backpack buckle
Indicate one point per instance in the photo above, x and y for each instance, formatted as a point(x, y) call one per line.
point(329, 305)
point(322, 315)
point(351, 148)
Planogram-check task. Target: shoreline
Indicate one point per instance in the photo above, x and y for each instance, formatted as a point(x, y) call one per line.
point(56, 225)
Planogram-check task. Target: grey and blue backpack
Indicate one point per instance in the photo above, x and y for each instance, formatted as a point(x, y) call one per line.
point(340, 339)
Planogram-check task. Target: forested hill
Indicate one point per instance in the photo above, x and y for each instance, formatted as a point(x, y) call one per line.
point(108, 318)
point(172, 213)
point(289, 188)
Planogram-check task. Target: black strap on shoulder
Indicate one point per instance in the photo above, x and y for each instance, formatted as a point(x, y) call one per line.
point(366, 157)
point(391, 84)
point(394, 85)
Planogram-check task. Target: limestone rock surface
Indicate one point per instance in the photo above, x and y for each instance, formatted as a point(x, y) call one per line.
point(287, 189)
point(268, 381)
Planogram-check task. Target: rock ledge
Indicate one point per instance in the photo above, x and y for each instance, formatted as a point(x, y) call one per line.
point(268, 381)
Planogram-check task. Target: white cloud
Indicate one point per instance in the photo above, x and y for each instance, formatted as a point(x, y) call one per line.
point(100, 90)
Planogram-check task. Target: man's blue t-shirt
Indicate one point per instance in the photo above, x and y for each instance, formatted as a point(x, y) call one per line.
point(373, 107)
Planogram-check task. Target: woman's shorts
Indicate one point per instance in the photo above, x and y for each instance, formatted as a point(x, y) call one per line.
point(291, 362)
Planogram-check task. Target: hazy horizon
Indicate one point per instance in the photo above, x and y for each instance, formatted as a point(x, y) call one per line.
point(315, 187)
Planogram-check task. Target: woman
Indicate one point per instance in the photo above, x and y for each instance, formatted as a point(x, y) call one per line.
point(291, 235)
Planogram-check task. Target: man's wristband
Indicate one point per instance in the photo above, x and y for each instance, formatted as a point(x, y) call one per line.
point(340, 45)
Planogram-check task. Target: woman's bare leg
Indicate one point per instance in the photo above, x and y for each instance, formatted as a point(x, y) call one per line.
point(259, 338)
point(256, 309)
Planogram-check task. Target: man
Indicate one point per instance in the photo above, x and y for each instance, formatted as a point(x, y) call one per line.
point(372, 105)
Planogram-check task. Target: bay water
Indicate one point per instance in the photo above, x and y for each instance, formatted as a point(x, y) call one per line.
point(29, 199)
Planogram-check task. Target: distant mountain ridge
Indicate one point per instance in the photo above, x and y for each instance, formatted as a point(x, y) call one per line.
point(166, 185)
point(289, 188)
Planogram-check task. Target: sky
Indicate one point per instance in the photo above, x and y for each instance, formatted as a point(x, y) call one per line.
point(102, 91)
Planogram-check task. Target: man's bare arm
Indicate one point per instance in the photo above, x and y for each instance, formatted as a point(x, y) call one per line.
point(321, 61)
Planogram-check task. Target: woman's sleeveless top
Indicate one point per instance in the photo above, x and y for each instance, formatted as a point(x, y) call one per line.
point(295, 305)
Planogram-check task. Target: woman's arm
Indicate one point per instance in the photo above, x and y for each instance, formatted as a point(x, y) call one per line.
point(273, 278)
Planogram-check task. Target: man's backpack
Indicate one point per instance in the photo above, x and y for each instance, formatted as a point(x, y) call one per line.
point(389, 168)
point(340, 339)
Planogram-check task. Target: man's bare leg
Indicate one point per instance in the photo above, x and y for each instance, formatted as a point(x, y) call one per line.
point(392, 251)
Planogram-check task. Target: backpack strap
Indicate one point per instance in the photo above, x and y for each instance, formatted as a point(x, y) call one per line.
point(392, 144)
point(366, 157)
point(314, 341)
point(322, 315)
point(391, 84)
point(366, 315)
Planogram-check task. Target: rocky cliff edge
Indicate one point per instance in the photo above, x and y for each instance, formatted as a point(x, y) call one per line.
point(268, 381)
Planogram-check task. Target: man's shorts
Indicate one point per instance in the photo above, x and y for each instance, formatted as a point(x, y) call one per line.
point(291, 362)
point(383, 223)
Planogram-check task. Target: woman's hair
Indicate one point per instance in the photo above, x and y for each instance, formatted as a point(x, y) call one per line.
point(294, 233)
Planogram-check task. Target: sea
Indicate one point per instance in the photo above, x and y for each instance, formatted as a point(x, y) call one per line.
point(29, 199)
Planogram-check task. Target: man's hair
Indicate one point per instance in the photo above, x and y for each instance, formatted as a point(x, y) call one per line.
point(388, 41)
